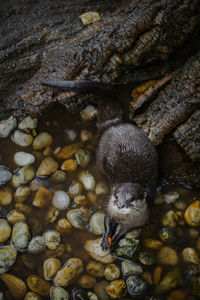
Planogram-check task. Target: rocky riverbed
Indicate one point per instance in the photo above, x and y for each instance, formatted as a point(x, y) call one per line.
point(52, 208)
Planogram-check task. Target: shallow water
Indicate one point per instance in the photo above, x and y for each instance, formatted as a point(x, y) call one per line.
point(55, 122)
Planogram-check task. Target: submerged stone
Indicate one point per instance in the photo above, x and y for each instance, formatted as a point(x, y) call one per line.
point(8, 255)
point(6, 126)
point(5, 175)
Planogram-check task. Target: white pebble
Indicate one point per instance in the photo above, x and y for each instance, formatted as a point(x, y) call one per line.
point(87, 180)
point(23, 158)
point(28, 123)
point(61, 200)
point(6, 126)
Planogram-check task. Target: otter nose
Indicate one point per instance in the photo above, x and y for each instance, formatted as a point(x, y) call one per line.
point(120, 205)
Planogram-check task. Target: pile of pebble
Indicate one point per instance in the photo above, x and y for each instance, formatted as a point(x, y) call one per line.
point(34, 193)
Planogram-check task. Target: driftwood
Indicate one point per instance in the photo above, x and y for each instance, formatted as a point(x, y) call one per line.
point(133, 40)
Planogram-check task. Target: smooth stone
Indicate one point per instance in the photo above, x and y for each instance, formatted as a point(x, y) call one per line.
point(21, 138)
point(6, 126)
point(167, 235)
point(70, 135)
point(152, 244)
point(29, 260)
point(75, 189)
point(36, 245)
point(171, 197)
point(157, 273)
point(169, 282)
point(85, 135)
point(52, 239)
point(5, 175)
point(95, 269)
point(21, 235)
point(32, 296)
point(146, 258)
point(100, 290)
point(8, 255)
point(133, 234)
point(111, 272)
point(88, 113)
point(117, 289)
point(193, 233)
point(97, 223)
point(79, 293)
point(35, 184)
point(180, 204)
point(22, 193)
point(5, 230)
point(92, 296)
point(168, 256)
point(81, 200)
point(47, 167)
point(5, 196)
point(87, 180)
point(130, 268)
point(127, 248)
point(63, 226)
point(58, 177)
point(68, 151)
point(58, 293)
point(48, 151)
point(42, 140)
point(169, 219)
point(50, 267)
point(78, 217)
point(58, 252)
point(42, 197)
point(23, 176)
point(24, 158)
point(15, 216)
point(89, 18)
point(136, 286)
point(52, 214)
point(192, 214)
point(69, 165)
point(87, 281)
point(26, 209)
point(69, 273)
point(93, 248)
point(28, 123)
point(101, 188)
point(190, 255)
point(61, 200)
point(83, 157)
point(15, 285)
point(38, 285)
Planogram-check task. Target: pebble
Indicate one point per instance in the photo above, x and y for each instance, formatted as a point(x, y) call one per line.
point(147, 277)
point(5, 231)
point(171, 197)
point(100, 290)
point(47, 167)
point(89, 17)
point(32, 296)
point(58, 293)
point(169, 219)
point(38, 285)
point(6, 126)
point(15, 216)
point(101, 188)
point(97, 223)
point(193, 233)
point(5, 196)
point(21, 138)
point(85, 135)
point(190, 255)
point(136, 286)
point(95, 269)
point(167, 235)
point(61, 200)
point(26, 209)
point(52, 239)
point(87, 281)
point(48, 151)
point(59, 251)
point(116, 289)
point(42, 140)
point(52, 214)
point(50, 267)
point(21, 235)
point(127, 248)
point(69, 165)
point(153, 244)
point(111, 272)
point(192, 214)
point(5, 175)
point(130, 268)
point(23, 158)
point(71, 135)
point(180, 204)
point(23, 176)
point(83, 157)
point(157, 275)
point(37, 245)
point(63, 226)
point(28, 123)
point(75, 189)
point(169, 282)
point(92, 296)
point(58, 177)
point(93, 248)
point(78, 217)
point(15, 285)
point(69, 273)
point(8, 255)
point(42, 197)
point(22, 193)
point(80, 200)
point(68, 151)
point(87, 180)
point(146, 258)
point(89, 112)
point(178, 295)
point(168, 256)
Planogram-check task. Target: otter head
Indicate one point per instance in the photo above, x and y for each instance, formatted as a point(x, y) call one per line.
point(128, 205)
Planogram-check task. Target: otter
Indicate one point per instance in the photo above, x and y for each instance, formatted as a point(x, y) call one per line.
point(125, 156)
